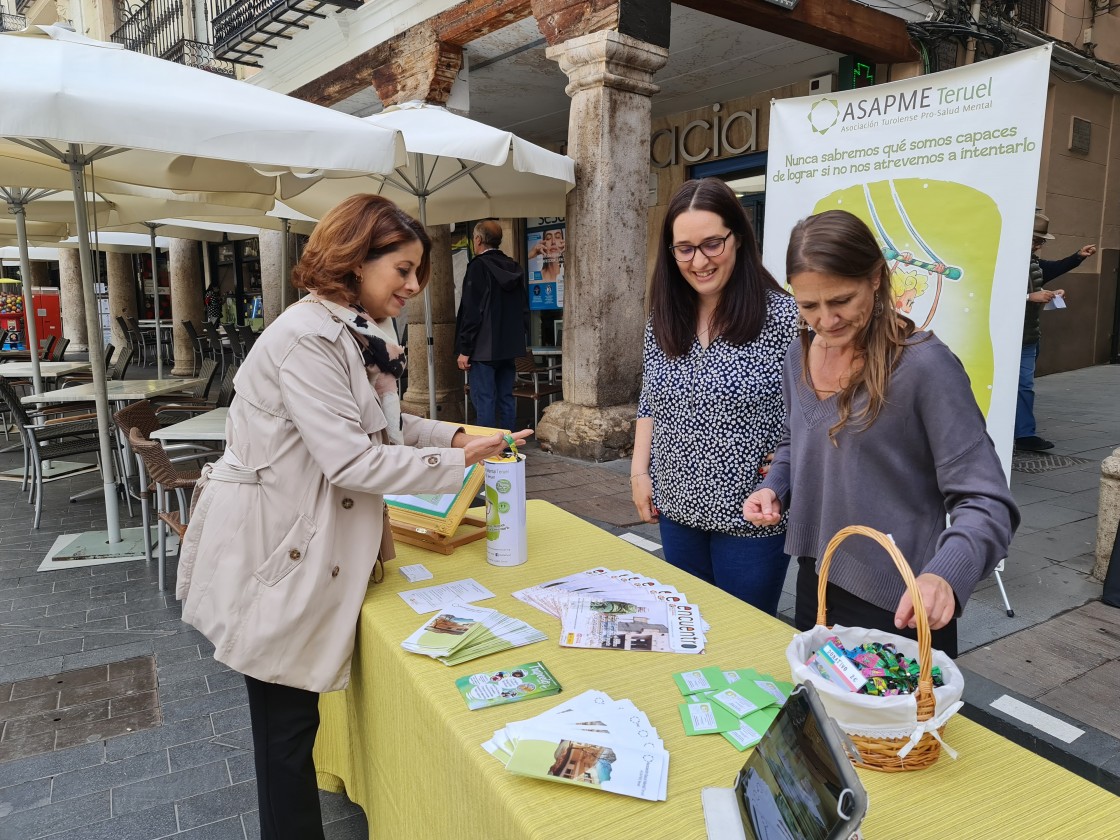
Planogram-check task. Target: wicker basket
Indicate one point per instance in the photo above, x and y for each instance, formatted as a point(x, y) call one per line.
point(882, 753)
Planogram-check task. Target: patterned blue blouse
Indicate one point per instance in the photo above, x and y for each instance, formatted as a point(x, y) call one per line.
point(717, 413)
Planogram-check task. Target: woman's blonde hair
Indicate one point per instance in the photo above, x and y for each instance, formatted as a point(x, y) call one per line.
point(361, 228)
point(838, 243)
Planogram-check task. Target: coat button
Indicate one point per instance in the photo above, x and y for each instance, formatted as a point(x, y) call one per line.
point(431, 460)
point(294, 554)
point(334, 572)
point(336, 319)
point(347, 504)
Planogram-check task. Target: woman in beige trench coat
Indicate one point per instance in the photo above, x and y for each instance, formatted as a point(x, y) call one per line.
point(289, 524)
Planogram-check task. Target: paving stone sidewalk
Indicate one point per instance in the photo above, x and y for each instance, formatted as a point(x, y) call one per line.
point(185, 769)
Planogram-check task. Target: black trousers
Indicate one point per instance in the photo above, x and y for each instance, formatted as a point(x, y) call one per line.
point(845, 608)
point(285, 721)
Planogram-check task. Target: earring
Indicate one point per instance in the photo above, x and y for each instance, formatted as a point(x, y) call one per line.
point(878, 310)
point(802, 324)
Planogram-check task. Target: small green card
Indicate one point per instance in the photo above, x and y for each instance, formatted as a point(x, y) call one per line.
point(493, 688)
point(703, 717)
point(751, 728)
point(744, 698)
point(703, 679)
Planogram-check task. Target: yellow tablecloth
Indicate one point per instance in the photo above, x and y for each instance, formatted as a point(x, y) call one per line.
point(402, 744)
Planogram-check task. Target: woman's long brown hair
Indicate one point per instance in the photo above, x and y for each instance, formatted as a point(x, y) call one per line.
point(741, 312)
point(838, 243)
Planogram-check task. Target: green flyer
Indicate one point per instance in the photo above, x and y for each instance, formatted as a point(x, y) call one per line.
point(493, 688)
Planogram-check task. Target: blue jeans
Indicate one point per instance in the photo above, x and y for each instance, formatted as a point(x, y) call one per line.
point(1024, 404)
point(492, 393)
point(750, 568)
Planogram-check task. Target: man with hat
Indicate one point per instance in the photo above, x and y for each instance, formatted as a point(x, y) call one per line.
point(1041, 273)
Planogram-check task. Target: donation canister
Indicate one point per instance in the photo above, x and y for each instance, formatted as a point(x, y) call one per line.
point(507, 539)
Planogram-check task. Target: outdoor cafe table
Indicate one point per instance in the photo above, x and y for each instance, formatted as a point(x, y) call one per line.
point(402, 744)
point(119, 391)
point(48, 370)
point(210, 426)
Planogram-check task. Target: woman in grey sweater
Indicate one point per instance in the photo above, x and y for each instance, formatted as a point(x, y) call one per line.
point(882, 430)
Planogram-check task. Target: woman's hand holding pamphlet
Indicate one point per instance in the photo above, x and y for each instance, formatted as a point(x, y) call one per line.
point(619, 610)
point(462, 632)
point(590, 741)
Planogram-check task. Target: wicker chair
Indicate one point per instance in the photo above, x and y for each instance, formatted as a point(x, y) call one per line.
point(200, 343)
point(165, 479)
point(217, 344)
point(144, 417)
point(58, 353)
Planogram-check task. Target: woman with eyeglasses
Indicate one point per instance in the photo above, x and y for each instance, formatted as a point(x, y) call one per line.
point(710, 413)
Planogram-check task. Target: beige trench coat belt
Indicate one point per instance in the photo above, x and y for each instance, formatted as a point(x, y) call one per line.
point(229, 469)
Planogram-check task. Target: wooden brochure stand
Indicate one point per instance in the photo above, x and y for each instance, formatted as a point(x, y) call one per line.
point(441, 523)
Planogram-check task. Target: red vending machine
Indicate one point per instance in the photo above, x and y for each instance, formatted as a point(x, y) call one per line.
point(48, 313)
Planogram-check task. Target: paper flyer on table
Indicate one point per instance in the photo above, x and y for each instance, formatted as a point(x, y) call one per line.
point(633, 624)
point(431, 598)
point(592, 762)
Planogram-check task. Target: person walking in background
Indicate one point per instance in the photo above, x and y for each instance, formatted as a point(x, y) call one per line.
point(490, 327)
point(289, 525)
point(212, 303)
point(882, 430)
point(1038, 297)
point(710, 412)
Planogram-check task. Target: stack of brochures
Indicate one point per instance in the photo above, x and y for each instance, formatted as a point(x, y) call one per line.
point(462, 632)
point(619, 610)
point(739, 704)
point(591, 741)
point(507, 685)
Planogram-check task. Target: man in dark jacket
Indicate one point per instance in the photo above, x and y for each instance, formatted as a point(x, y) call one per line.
point(490, 327)
point(1041, 273)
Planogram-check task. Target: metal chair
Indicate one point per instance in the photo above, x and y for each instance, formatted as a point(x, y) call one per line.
point(528, 384)
point(165, 478)
point(53, 440)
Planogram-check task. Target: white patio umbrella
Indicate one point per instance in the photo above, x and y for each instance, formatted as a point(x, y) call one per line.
point(76, 103)
point(10, 255)
point(458, 169)
point(214, 224)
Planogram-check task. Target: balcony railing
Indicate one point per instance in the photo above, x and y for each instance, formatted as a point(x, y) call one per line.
point(200, 55)
point(23, 5)
point(1024, 12)
point(244, 29)
point(12, 23)
point(156, 28)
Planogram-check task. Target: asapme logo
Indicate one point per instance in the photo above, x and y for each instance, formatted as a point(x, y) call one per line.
point(886, 109)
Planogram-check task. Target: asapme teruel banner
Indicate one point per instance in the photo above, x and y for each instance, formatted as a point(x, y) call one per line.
point(944, 170)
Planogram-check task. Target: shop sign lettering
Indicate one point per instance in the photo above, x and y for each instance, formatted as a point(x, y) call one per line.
point(702, 139)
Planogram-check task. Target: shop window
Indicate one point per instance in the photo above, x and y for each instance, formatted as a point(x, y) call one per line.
point(746, 175)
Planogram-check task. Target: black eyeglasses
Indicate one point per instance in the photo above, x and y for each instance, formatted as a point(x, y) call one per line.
point(710, 248)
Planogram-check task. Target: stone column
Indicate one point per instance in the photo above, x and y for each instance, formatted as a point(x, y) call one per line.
point(1108, 512)
point(71, 301)
point(122, 294)
point(186, 300)
point(610, 82)
point(277, 292)
point(449, 379)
